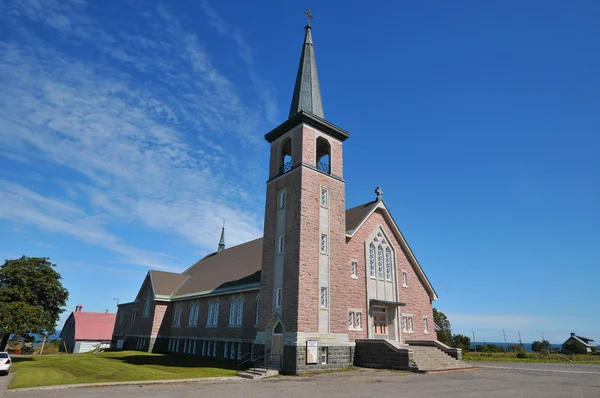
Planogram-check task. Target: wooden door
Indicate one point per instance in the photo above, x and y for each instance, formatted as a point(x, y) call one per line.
point(380, 323)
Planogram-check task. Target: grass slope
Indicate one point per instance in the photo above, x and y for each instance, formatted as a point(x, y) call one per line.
point(112, 367)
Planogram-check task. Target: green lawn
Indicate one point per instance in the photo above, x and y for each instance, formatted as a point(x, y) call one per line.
point(112, 366)
point(531, 357)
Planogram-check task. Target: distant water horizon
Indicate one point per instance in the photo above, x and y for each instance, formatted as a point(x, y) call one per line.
point(527, 346)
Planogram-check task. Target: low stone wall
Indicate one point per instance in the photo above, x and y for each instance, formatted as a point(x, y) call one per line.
point(294, 361)
point(381, 355)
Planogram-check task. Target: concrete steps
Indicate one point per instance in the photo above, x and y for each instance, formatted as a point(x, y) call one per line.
point(258, 373)
point(432, 359)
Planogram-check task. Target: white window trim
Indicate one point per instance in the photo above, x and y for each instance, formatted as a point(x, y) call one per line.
point(356, 311)
point(387, 252)
point(326, 192)
point(404, 273)
point(326, 351)
point(372, 261)
point(354, 269)
point(324, 300)
point(405, 329)
point(425, 323)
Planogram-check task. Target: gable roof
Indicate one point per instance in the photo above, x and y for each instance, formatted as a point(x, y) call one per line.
point(586, 341)
point(365, 211)
point(95, 326)
point(238, 267)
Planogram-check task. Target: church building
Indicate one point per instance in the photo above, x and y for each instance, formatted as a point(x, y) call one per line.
point(324, 288)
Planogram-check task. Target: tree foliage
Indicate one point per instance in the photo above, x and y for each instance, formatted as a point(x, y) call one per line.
point(440, 319)
point(31, 297)
point(574, 347)
point(461, 341)
point(541, 346)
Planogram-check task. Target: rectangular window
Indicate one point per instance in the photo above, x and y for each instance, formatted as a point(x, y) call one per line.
point(407, 323)
point(194, 350)
point(282, 199)
point(185, 346)
point(353, 268)
point(425, 325)
point(203, 347)
point(324, 197)
point(226, 349)
point(350, 320)
point(404, 278)
point(176, 345)
point(372, 260)
point(324, 244)
point(358, 320)
point(388, 264)
point(324, 355)
point(233, 346)
point(209, 348)
point(280, 244)
point(323, 297)
point(278, 298)
point(216, 314)
point(410, 324)
point(239, 351)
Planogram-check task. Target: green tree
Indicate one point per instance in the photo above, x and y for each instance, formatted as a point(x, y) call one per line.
point(31, 297)
point(461, 341)
point(574, 347)
point(540, 346)
point(444, 335)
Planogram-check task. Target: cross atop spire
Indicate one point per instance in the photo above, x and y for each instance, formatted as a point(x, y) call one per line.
point(307, 94)
point(379, 193)
point(308, 15)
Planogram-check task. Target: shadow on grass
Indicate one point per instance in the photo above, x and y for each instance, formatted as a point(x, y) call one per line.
point(181, 361)
point(21, 359)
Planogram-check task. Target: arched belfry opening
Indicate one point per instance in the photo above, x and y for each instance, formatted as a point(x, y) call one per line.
point(285, 163)
point(323, 155)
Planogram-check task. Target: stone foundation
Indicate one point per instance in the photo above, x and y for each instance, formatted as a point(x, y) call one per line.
point(381, 355)
point(294, 360)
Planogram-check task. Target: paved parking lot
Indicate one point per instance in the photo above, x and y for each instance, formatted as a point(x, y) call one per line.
point(511, 380)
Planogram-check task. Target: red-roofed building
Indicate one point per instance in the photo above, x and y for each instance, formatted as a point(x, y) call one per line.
point(85, 331)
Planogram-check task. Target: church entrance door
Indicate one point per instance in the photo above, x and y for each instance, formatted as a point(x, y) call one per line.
point(276, 346)
point(380, 323)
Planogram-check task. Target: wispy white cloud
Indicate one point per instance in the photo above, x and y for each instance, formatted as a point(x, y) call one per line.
point(159, 155)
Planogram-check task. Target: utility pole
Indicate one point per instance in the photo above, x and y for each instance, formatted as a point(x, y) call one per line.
point(43, 343)
point(505, 344)
point(474, 343)
point(520, 341)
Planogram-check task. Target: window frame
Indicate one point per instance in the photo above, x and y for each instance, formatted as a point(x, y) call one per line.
point(282, 199)
point(388, 264)
point(354, 269)
point(404, 278)
point(324, 198)
point(278, 298)
point(372, 260)
point(324, 297)
point(280, 244)
point(324, 244)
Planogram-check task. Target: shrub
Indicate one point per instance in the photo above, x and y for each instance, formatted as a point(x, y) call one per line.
point(521, 354)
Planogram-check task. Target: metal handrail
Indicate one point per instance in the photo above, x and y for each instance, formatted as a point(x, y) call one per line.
point(242, 361)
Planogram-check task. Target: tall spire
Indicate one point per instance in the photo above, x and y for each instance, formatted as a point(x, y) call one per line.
point(307, 94)
point(222, 241)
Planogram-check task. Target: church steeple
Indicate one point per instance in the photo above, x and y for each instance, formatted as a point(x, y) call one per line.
point(307, 94)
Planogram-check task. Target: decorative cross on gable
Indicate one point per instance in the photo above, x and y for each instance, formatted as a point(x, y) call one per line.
point(379, 193)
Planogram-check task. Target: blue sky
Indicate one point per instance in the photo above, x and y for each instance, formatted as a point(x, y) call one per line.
point(129, 130)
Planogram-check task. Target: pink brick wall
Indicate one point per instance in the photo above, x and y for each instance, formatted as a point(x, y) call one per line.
point(415, 296)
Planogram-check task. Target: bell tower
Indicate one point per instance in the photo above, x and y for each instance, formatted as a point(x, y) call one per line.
point(302, 313)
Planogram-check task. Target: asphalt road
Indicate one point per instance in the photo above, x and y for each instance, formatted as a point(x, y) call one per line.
point(513, 380)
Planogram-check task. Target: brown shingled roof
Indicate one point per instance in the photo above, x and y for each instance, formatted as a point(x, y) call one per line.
point(238, 265)
point(165, 283)
point(355, 215)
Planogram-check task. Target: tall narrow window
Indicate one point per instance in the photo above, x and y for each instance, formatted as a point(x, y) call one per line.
point(280, 244)
point(239, 351)
point(323, 297)
point(388, 264)
point(404, 278)
point(281, 199)
point(196, 313)
point(232, 307)
point(353, 268)
point(147, 305)
point(324, 244)
point(209, 348)
point(209, 318)
point(425, 325)
point(324, 197)
point(203, 347)
point(372, 260)
point(358, 320)
point(233, 346)
point(214, 348)
point(216, 314)
point(286, 156)
point(191, 314)
point(240, 312)
point(410, 324)
point(278, 298)
point(351, 320)
point(226, 349)
point(257, 312)
point(323, 155)
point(380, 261)
point(324, 355)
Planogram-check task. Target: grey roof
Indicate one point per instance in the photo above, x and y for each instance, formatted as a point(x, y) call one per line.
point(587, 341)
point(356, 215)
point(307, 94)
point(165, 283)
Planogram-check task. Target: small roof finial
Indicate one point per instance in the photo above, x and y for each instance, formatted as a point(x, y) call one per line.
point(308, 15)
point(222, 240)
point(379, 193)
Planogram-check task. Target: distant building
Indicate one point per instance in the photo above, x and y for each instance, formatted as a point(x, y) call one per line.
point(588, 344)
point(84, 331)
